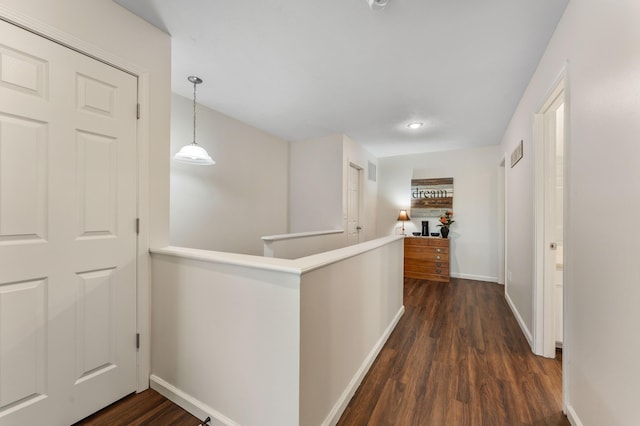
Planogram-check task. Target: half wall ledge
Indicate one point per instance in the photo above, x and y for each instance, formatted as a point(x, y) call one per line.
point(292, 339)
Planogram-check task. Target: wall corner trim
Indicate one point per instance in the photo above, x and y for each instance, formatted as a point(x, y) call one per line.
point(573, 416)
point(521, 322)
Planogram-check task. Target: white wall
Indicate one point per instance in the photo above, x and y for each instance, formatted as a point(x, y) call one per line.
point(228, 206)
point(316, 185)
point(474, 235)
point(602, 348)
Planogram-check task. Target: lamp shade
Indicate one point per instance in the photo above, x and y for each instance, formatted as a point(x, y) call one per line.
point(403, 215)
point(194, 154)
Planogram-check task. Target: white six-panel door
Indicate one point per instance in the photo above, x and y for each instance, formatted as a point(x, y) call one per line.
point(67, 232)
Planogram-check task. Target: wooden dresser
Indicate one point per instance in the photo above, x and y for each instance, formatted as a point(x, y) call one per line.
point(426, 258)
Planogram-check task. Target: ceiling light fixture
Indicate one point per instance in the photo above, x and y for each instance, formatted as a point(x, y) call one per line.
point(415, 125)
point(194, 153)
point(377, 4)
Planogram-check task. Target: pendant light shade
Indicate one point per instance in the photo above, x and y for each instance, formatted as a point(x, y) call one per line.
point(194, 153)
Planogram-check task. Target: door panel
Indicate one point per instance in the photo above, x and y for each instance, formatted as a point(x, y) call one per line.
point(67, 232)
point(23, 189)
point(97, 185)
point(353, 206)
point(94, 352)
point(23, 365)
point(23, 72)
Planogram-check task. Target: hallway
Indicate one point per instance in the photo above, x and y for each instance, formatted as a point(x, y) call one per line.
point(458, 357)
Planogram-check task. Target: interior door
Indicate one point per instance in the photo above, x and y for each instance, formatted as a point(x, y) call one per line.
point(550, 143)
point(554, 210)
point(353, 206)
point(67, 232)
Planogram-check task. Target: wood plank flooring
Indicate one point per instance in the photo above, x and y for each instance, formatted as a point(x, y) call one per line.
point(458, 357)
point(145, 408)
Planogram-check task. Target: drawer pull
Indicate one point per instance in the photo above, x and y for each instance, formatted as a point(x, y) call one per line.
point(438, 271)
point(438, 250)
point(437, 257)
point(438, 264)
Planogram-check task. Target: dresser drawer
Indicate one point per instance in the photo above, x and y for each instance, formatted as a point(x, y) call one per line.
point(415, 264)
point(416, 241)
point(438, 242)
point(421, 252)
point(409, 270)
point(428, 276)
point(426, 241)
point(426, 258)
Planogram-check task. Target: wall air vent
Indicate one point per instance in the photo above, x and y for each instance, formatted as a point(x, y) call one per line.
point(372, 171)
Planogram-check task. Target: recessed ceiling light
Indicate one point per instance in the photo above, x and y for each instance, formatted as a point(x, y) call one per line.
point(415, 125)
point(377, 4)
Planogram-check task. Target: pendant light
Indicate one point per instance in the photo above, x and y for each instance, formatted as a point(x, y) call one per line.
point(194, 153)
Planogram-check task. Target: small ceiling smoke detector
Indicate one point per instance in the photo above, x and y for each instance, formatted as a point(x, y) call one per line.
point(377, 4)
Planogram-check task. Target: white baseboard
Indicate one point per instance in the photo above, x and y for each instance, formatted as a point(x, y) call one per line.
point(189, 403)
point(474, 277)
point(343, 401)
point(573, 417)
point(521, 323)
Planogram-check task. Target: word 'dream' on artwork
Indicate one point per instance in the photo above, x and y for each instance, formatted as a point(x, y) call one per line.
point(431, 197)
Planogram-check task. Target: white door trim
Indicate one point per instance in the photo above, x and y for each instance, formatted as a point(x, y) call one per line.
point(143, 260)
point(360, 198)
point(543, 297)
point(502, 221)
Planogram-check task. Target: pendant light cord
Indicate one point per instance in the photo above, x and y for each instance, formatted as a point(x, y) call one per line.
point(194, 112)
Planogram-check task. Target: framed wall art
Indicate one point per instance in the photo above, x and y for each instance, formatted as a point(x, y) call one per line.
point(431, 197)
point(517, 154)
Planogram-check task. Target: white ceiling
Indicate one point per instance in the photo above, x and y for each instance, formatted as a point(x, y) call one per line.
point(302, 69)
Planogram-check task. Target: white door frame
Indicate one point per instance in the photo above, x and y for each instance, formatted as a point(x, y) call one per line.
point(502, 221)
point(143, 258)
point(543, 297)
point(360, 197)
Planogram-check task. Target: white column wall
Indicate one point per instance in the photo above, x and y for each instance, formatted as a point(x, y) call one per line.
point(318, 185)
point(315, 185)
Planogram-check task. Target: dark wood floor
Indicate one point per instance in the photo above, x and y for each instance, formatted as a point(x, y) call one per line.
point(457, 357)
point(145, 408)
